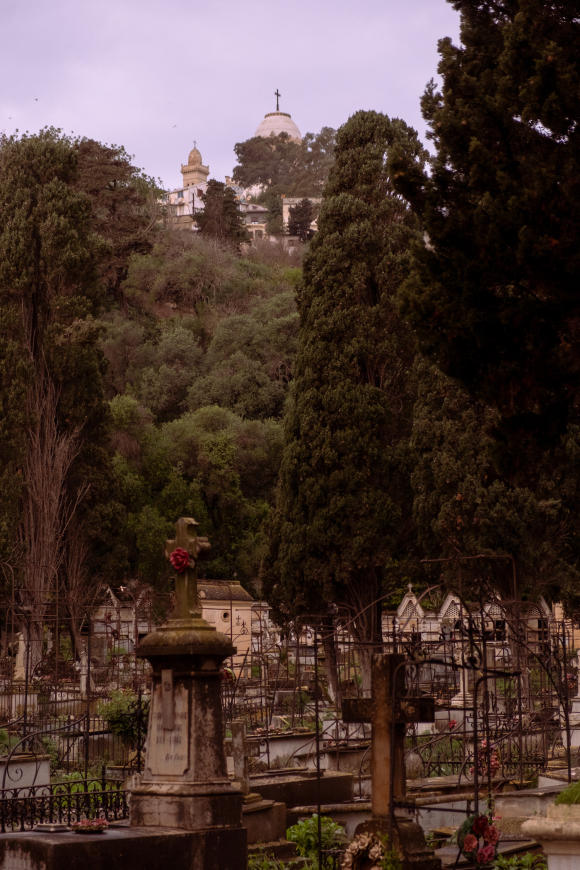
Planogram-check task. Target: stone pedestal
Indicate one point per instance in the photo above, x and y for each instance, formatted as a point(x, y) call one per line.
point(574, 725)
point(462, 703)
point(185, 783)
point(559, 835)
point(406, 837)
point(125, 849)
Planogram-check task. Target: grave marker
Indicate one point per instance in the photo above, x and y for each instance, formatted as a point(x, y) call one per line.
point(185, 783)
point(388, 711)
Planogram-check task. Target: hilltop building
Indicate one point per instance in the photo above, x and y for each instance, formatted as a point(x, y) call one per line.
point(194, 172)
point(185, 202)
point(275, 123)
point(278, 122)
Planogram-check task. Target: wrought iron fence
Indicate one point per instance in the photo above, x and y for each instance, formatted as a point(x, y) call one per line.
point(21, 809)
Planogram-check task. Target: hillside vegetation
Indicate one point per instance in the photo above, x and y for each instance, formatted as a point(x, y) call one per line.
point(199, 356)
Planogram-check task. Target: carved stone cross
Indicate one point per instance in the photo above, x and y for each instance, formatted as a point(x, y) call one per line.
point(187, 604)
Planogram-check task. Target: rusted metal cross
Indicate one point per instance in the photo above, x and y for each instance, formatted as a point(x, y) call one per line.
point(389, 711)
point(187, 603)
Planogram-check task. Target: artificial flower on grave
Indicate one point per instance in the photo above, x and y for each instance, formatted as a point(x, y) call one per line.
point(90, 826)
point(179, 559)
point(477, 839)
point(368, 851)
point(486, 758)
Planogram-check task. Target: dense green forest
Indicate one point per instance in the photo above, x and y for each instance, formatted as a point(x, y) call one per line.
point(199, 359)
point(143, 373)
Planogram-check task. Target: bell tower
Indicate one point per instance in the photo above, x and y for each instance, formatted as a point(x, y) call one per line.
point(194, 172)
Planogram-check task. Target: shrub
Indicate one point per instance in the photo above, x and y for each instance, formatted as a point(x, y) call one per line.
point(520, 862)
point(126, 715)
point(570, 795)
point(305, 835)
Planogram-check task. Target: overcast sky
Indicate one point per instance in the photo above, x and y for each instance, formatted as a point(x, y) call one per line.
point(154, 76)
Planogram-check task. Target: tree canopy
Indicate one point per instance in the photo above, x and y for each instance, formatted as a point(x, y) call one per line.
point(198, 372)
point(221, 218)
point(52, 284)
point(494, 289)
point(519, 539)
point(282, 166)
point(301, 216)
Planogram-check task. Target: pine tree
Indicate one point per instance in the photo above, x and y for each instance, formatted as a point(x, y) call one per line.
point(300, 219)
point(343, 494)
point(221, 218)
point(494, 292)
point(125, 206)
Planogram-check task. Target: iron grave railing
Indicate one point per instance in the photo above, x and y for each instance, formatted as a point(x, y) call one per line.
point(64, 803)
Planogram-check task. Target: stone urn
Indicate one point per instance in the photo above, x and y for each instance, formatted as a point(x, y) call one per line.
point(559, 835)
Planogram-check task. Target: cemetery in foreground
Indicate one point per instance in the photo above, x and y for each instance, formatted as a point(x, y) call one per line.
point(183, 752)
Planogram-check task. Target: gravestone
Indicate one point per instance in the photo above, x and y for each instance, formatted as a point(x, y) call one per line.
point(575, 715)
point(185, 783)
point(389, 710)
point(185, 812)
point(20, 661)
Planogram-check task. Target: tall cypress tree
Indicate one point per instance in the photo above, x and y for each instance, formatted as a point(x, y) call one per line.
point(54, 279)
point(343, 494)
point(494, 291)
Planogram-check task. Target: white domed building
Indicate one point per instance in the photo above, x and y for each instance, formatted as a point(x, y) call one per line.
point(278, 122)
point(275, 123)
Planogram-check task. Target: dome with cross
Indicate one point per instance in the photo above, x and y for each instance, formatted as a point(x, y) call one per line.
point(275, 123)
point(278, 122)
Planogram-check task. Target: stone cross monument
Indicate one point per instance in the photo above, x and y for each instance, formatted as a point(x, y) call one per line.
point(185, 783)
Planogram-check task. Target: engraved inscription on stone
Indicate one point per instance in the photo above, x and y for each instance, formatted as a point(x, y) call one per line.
point(169, 749)
point(167, 706)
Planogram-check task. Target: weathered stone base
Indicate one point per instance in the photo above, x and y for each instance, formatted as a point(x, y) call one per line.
point(126, 849)
point(297, 787)
point(264, 820)
point(280, 850)
point(411, 843)
point(408, 839)
point(185, 807)
point(559, 835)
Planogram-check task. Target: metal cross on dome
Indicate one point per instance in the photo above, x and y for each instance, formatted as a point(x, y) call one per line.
point(277, 94)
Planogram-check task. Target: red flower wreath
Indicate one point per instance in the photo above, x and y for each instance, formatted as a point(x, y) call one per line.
point(179, 559)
